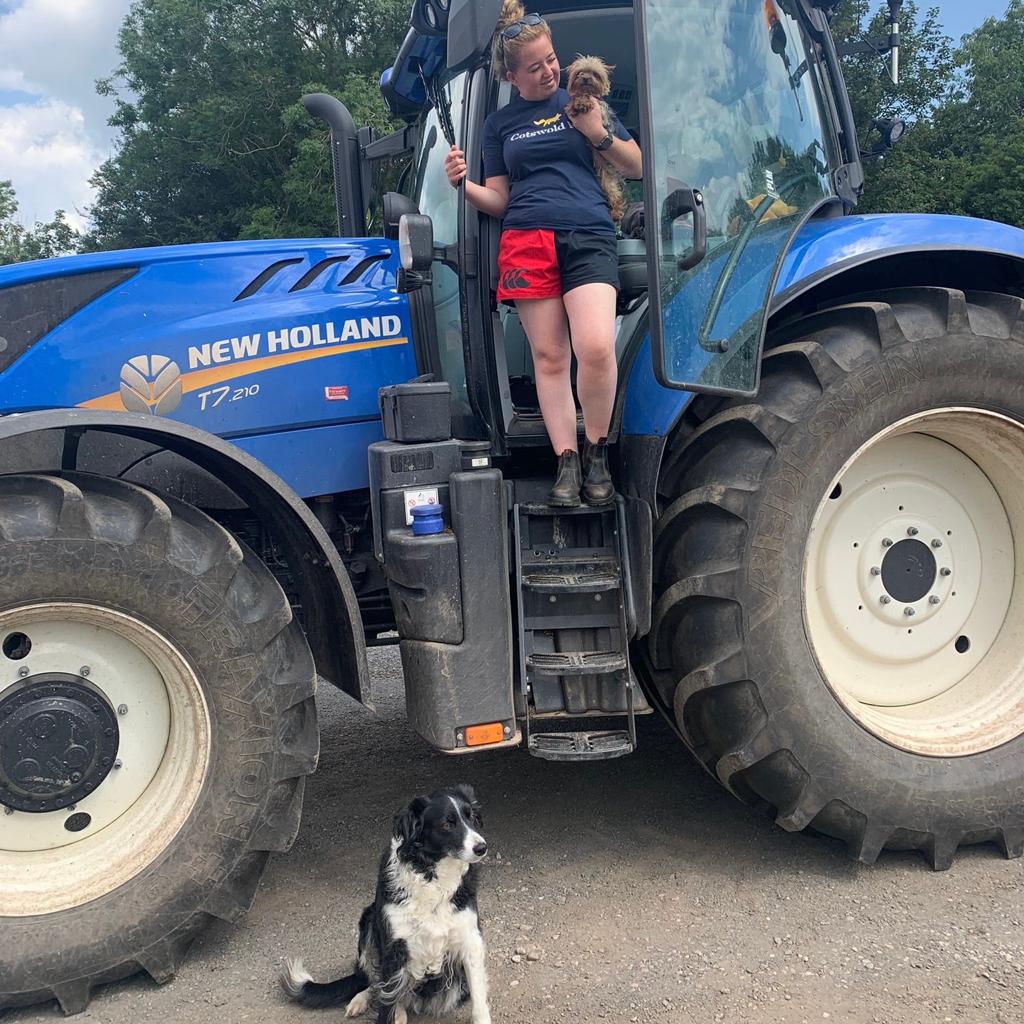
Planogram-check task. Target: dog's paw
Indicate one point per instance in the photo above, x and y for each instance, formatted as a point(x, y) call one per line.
point(481, 1016)
point(358, 1004)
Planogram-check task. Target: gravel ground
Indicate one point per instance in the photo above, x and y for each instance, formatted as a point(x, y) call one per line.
point(631, 890)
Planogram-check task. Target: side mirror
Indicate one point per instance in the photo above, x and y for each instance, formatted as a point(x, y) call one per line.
point(415, 241)
point(395, 206)
point(415, 251)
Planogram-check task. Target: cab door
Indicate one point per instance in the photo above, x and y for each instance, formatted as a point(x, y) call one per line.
point(735, 160)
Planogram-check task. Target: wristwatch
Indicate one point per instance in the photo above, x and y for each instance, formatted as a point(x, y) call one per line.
point(605, 143)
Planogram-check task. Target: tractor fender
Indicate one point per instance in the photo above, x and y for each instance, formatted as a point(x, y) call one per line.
point(834, 257)
point(332, 620)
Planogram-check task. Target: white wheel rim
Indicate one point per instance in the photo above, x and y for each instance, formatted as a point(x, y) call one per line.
point(162, 757)
point(912, 597)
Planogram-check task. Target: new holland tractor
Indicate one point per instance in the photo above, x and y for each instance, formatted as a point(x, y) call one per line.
point(227, 470)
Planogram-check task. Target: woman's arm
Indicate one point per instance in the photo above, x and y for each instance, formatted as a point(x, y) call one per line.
point(623, 154)
point(490, 198)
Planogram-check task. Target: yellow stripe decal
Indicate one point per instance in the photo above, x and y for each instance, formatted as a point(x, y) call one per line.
point(232, 371)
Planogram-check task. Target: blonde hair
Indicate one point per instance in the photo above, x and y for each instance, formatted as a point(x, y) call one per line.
point(503, 51)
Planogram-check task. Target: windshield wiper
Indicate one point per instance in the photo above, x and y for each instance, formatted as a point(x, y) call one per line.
point(440, 100)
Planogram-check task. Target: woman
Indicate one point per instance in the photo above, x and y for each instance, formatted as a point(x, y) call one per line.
point(557, 260)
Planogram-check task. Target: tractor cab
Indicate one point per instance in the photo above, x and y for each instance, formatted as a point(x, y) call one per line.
point(734, 106)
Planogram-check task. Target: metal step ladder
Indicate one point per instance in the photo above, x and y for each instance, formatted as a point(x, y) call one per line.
point(575, 616)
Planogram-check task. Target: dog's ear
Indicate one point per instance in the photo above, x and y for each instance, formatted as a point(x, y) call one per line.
point(410, 821)
point(466, 791)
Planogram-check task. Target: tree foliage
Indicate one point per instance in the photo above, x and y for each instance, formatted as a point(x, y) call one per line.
point(41, 241)
point(213, 141)
point(214, 144)
point(965, 111)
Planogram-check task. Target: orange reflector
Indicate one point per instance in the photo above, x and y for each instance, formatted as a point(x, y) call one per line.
point(477, 735)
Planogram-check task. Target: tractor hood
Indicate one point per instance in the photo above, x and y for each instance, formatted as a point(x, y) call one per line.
point(252, 341)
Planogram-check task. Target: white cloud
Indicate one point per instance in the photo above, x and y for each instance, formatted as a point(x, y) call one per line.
point(48, 154)
point(54, 50)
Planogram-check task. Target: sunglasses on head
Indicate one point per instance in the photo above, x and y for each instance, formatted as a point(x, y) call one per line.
point(511, 31)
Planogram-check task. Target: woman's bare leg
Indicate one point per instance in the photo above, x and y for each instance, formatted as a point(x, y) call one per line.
point(591, 311)
point(547, 330)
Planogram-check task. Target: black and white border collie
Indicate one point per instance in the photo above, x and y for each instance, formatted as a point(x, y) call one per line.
point(420, 946)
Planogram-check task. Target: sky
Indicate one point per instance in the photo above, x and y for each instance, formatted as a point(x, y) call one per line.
point(53, 130)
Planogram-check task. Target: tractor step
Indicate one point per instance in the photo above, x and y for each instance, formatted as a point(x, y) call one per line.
point(575, 615)
point(581, 746)
point(577, 663)
point(568, 579)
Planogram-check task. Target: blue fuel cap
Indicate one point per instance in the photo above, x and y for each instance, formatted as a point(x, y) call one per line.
point(427, 519)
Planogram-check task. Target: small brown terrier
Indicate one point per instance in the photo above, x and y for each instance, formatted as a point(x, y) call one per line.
point(590, 80)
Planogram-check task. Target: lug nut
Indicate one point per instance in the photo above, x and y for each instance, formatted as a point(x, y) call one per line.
point(84, 670)
point(117, 763)
point(936, 543)
point(875, 571)
point(23, 671)
point(912, 530)
point(8, 810)
point(886, 542)
point(885, 599)
point(908, 612)
point(122, 709)
point(934, 599)
point(945, 572)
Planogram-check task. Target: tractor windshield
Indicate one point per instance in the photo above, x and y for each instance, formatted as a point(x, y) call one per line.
point(734, 112)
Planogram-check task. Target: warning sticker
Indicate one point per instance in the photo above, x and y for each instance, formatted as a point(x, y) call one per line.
point(420, 496)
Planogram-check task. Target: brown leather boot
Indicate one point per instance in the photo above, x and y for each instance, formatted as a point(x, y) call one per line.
point(597, 480)
point(566, 492)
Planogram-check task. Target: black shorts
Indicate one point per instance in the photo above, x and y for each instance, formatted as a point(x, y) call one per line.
point(538, 263)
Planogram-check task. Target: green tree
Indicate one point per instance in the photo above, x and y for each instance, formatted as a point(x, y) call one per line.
point(19, 243)
point(213, 142)
point(965, 109)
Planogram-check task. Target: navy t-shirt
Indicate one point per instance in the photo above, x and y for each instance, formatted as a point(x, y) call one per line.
point(549, 164)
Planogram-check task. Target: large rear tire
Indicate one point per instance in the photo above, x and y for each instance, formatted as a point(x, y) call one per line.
point(157, 722)
point(838, 577)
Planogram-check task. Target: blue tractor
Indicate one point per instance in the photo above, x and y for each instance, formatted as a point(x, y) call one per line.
point(229, 469)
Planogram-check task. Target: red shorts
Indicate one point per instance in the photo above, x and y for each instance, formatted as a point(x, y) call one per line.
point(537, 263)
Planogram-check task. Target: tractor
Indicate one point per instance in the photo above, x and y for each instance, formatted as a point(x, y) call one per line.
point(227, 470)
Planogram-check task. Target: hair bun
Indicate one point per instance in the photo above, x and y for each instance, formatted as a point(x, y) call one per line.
point(511, 12)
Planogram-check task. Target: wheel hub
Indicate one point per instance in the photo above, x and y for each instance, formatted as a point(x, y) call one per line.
point(58, 741)
point(910, 594)
point(908, 571)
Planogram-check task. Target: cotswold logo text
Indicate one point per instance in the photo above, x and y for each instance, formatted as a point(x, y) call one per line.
point(520, 136)
point(151, 384)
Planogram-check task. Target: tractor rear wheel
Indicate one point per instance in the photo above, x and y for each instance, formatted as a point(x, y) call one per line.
point(839, 613)
point(157, 723)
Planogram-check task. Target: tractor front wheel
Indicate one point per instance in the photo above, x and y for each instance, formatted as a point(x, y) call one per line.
point(156, 727)
point(839, 604)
